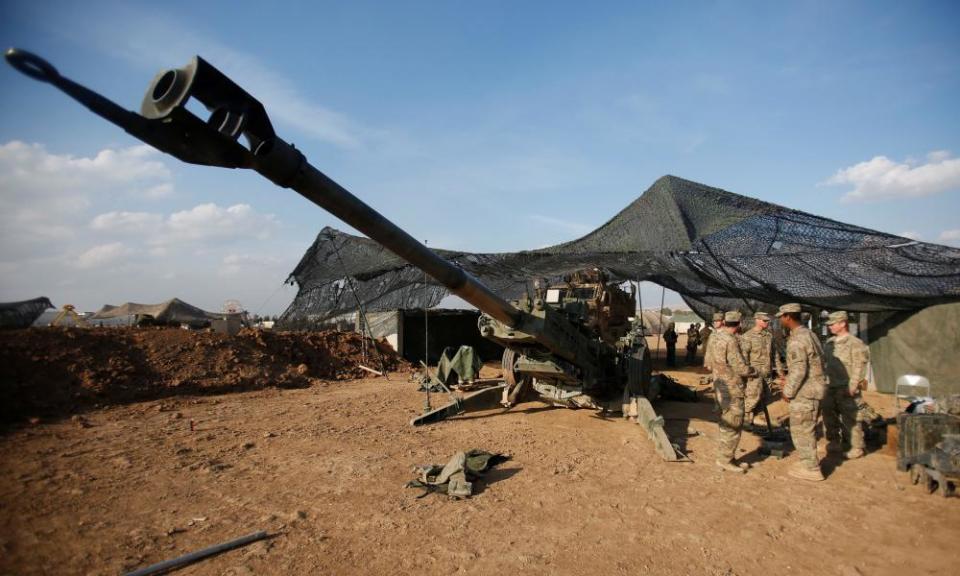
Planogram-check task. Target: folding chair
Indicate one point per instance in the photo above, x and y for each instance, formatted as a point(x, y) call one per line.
point(907, 387)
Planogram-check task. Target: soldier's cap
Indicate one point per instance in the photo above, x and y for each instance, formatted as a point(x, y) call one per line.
point(838, 316)
point(732, 316)
point(718, 316)
point(788, 308)
point(761, 316)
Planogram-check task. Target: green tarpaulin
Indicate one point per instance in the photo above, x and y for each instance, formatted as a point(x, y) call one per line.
point(925, 342)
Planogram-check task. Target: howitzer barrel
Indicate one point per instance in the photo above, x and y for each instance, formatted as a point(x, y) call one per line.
point(317, 187)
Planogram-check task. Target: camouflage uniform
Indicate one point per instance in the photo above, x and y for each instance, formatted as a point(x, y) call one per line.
point(729, 369)
point(847, 358)
point(670, 337)
point(757, 346)
point(707, 352)
point(805, 385)
point(708, 340)
point(693, 341)
point(705, 333)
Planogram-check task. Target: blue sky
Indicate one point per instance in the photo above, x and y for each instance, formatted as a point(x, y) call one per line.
point(484, 126)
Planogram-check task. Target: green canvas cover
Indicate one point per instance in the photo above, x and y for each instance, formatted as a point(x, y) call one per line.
point(456, 478)
point(463, 363)
point(925, 342)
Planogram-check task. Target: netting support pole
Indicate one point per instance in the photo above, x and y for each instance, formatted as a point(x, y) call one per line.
point(640, 303)
point(361, 315)
point(426, 343)
point(426, 318)
point(663, 293)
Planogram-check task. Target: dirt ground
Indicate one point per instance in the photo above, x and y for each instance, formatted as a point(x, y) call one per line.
point(323, 468)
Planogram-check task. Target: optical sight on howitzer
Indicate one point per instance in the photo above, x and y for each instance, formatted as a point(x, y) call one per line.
point(571, 343)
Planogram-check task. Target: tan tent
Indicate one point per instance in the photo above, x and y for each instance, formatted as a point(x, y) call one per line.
point(172, 311)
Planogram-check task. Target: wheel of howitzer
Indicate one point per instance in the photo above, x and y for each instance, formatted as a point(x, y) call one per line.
point(915, 474)
point(515, 382)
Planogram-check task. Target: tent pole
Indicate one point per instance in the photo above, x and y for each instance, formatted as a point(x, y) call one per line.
point(361, 315)
point(663, 293)
point(426, 330)
point(640, 302)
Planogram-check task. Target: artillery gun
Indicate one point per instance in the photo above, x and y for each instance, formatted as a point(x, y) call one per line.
point(570, 343)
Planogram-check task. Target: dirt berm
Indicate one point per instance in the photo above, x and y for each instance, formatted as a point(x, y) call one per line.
point(51, 372)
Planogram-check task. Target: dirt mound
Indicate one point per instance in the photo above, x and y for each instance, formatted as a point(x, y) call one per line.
point(51, 371)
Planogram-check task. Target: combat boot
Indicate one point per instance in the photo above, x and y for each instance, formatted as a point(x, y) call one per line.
point(853, 453)
point(803, 473)
point(729, 466)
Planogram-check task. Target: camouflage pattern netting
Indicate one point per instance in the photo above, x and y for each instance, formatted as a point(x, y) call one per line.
point(718, 249)
point(22, 314)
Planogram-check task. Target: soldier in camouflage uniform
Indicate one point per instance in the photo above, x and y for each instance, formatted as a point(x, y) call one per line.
point(847, 359)
point(729, 370)
point(670, 338)
point(804, 389)
point(757, 346)
point(693, 342)
point(717, 325)
point(705, 336)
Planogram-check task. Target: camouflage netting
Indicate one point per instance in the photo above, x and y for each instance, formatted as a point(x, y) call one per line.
point(719, 250)
point(22, 314)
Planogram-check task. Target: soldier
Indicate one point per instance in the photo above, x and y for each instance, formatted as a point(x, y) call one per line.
point(717, 325)
point(693, 341)
point(757, 346)
point(705, 336)
point(670, 337)
point(729, 370)
point(847, 358)
point(803, 391)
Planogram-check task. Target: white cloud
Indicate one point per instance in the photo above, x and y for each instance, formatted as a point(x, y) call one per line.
point(883, 179)
point(201, 224)
point(211, 222)
point(159, 191)
point(950, 237)
point(102, 255)
point(237, 264)
point(127, 222)
point(46, 195)
point(73, 227)
point(30, 166)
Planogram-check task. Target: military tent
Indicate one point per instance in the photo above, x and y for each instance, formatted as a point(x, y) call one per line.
point(172, 311)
